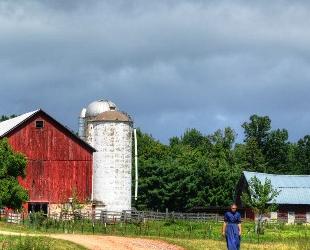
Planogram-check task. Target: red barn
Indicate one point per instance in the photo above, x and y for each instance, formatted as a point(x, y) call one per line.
point(59, 163)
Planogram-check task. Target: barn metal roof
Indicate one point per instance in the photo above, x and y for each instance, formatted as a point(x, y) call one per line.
point(8, 125)
point(11, 124)
point(294, 189)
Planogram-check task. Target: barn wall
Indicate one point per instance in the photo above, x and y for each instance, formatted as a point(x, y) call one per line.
point(58, 163)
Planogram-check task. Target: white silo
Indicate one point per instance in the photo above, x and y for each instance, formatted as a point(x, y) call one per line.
point(109, 131)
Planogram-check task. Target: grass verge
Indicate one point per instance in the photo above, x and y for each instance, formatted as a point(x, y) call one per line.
point(8, 242)
point(197, 244)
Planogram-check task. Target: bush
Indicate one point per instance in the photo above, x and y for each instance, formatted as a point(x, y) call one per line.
point(37, 218)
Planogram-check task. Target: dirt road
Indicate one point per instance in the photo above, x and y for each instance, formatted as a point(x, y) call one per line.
point(98, 242)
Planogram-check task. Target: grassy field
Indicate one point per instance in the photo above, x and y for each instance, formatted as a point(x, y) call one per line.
point(35, 243)
point(191, 235)
point(213, 244)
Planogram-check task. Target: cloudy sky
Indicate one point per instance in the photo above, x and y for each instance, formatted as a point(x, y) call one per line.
point(171, 64)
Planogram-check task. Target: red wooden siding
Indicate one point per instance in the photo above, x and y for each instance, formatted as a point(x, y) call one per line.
point(58, 162)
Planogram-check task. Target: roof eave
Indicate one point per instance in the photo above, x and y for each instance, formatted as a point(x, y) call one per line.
point(17, 125)
point(53, 119)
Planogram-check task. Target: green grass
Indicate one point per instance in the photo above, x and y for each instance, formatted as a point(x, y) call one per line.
point(35, 243)
point(192, 235)
point(199, 244)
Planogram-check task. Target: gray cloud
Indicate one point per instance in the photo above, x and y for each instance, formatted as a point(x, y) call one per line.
point(171, 64)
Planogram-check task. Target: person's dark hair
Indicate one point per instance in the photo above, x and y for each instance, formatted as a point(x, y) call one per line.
point(233, 207)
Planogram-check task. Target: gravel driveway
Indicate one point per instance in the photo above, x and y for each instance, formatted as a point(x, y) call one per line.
point(98, 242)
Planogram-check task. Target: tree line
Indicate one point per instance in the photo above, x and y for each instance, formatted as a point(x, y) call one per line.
point(197, 170)
point(193, 170)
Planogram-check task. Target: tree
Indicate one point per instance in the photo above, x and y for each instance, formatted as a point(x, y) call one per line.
point(254, 157)
point(193, 138)
point(197, 170)
point(5, 117)
point(302, 155)
point(277, 151)
point(258, 129)
point(266, 150)
point(12, 166)
point(256, 134)
point(152, 169)
point(260, 197)
point(223, 142)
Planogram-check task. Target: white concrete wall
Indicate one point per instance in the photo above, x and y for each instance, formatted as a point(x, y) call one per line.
point(273, 215)
point(111, 163)
point(291, 217)
point(308, 217)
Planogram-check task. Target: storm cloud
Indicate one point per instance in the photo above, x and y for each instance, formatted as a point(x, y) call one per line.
point(172, 65)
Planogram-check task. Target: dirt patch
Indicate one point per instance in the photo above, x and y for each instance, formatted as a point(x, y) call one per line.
point(98, 242)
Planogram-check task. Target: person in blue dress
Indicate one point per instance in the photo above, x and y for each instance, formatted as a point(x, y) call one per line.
point(232, 228)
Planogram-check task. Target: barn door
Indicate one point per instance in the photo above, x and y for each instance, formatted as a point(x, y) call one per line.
point(34, 207)
point(37, 182)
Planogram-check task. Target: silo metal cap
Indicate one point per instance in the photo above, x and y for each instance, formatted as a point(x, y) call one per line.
point(97, 107)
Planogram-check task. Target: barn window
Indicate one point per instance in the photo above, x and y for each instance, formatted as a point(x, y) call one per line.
point(38, 207)
point(39, 124)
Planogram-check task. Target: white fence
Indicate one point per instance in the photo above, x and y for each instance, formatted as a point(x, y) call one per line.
point(15, 218)
point(108, 216)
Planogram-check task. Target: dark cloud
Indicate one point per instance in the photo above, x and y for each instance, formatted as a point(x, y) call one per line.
point(171, 64)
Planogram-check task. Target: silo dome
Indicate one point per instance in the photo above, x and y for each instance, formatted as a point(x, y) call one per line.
point(97, 107)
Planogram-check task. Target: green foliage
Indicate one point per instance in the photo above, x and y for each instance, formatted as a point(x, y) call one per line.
point(12, 166)
point(5, 117)
point(12, 195)
point(257, 129)
point(76, 203)
point(11, 163)
point(277, 151)
point(193, 138)
point(302, 155)
point(266, 150)
point(260, 196)
point(37, 218)
point(252, 157)
point(197, 170)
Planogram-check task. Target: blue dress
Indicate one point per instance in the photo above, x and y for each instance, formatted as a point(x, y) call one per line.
point(232, 231)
